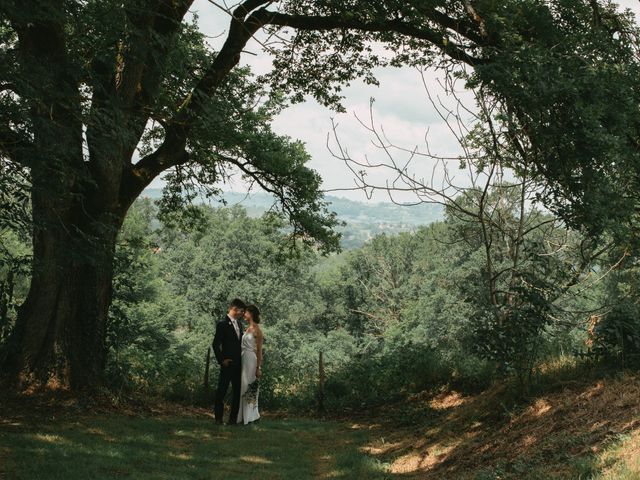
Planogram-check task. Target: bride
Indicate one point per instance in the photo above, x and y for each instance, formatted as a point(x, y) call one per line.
point(251, 366)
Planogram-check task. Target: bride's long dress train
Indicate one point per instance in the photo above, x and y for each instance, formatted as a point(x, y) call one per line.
point(248, 399)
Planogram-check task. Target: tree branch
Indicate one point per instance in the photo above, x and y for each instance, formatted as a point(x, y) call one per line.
point(462, 27)
point(319, 22)
point(135, 75)
point(173, 150)
point(246, 20)
point(171, 153)
point(141, 64)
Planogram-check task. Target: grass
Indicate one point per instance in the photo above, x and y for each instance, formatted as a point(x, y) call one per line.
point(587, 429)
point(573, 426)
point(621, 461)
point(108, 446)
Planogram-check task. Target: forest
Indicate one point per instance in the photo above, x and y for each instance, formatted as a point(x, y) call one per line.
point(362, 220)
point(414, 299)
point(484, 328)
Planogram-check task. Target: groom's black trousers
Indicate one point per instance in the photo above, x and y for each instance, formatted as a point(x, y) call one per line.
point(228, 375)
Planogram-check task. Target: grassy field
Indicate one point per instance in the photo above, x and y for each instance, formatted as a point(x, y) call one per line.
point(117, 446)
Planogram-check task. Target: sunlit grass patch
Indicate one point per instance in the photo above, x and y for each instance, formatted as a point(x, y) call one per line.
point(115, 446)
point(621, 461)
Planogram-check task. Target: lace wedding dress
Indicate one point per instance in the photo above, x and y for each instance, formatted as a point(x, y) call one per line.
point(248, 384)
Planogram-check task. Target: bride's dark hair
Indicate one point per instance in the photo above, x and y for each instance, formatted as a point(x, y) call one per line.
point(255, 313)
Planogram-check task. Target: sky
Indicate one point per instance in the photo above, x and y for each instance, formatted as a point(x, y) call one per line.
point(401, 109)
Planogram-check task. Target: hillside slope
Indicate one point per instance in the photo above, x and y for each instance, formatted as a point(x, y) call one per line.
point(576, 430)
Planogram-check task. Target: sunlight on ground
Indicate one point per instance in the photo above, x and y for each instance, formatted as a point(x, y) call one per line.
point(111, 446)
point(255, 459)
point(622, 461)
point(588, 431)
point(446, 401)
point(334, 474)
point(50, 438)
point(181, 456)
point(540, 407)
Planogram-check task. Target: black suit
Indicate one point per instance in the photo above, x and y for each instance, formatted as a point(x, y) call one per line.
point(227, 345)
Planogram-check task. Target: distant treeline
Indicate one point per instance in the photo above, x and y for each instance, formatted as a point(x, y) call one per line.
point(363, 220)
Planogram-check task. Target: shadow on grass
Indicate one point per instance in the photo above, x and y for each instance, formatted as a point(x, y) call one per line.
point(107, 447)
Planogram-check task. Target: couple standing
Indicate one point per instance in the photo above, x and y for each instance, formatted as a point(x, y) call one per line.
point(239, 353)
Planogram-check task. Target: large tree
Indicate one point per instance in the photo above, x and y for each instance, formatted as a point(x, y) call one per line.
point(99, 97)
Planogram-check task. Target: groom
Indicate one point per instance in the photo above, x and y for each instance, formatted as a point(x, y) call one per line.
point(227, 348)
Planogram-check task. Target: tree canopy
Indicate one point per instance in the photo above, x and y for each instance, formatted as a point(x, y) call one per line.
point(99, 98)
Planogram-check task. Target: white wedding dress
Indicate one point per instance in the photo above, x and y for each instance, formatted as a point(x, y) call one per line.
point(248, 396)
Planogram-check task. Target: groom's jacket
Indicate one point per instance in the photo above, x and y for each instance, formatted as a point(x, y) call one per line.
point(226, 343)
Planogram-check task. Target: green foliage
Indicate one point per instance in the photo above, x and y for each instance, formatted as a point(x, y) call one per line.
point(140, 338)
point(615, 336)
point(15, 269)
point(532, 267)
point(15, 254)
point(362, 221)
point(567, 72)
point(114, 78)
point(399, 315)
point(512, 337)
point(171, 287)
point(14, 199)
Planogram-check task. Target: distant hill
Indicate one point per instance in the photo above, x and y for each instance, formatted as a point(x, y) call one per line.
point(363, 220)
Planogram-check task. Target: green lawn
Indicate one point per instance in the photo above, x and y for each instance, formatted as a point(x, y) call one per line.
point(116, 446)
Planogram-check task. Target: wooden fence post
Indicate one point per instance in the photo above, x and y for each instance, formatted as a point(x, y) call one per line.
point(321, 385)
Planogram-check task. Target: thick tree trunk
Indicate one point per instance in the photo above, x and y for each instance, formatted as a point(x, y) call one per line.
point(82, 185)
point(60, 330)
